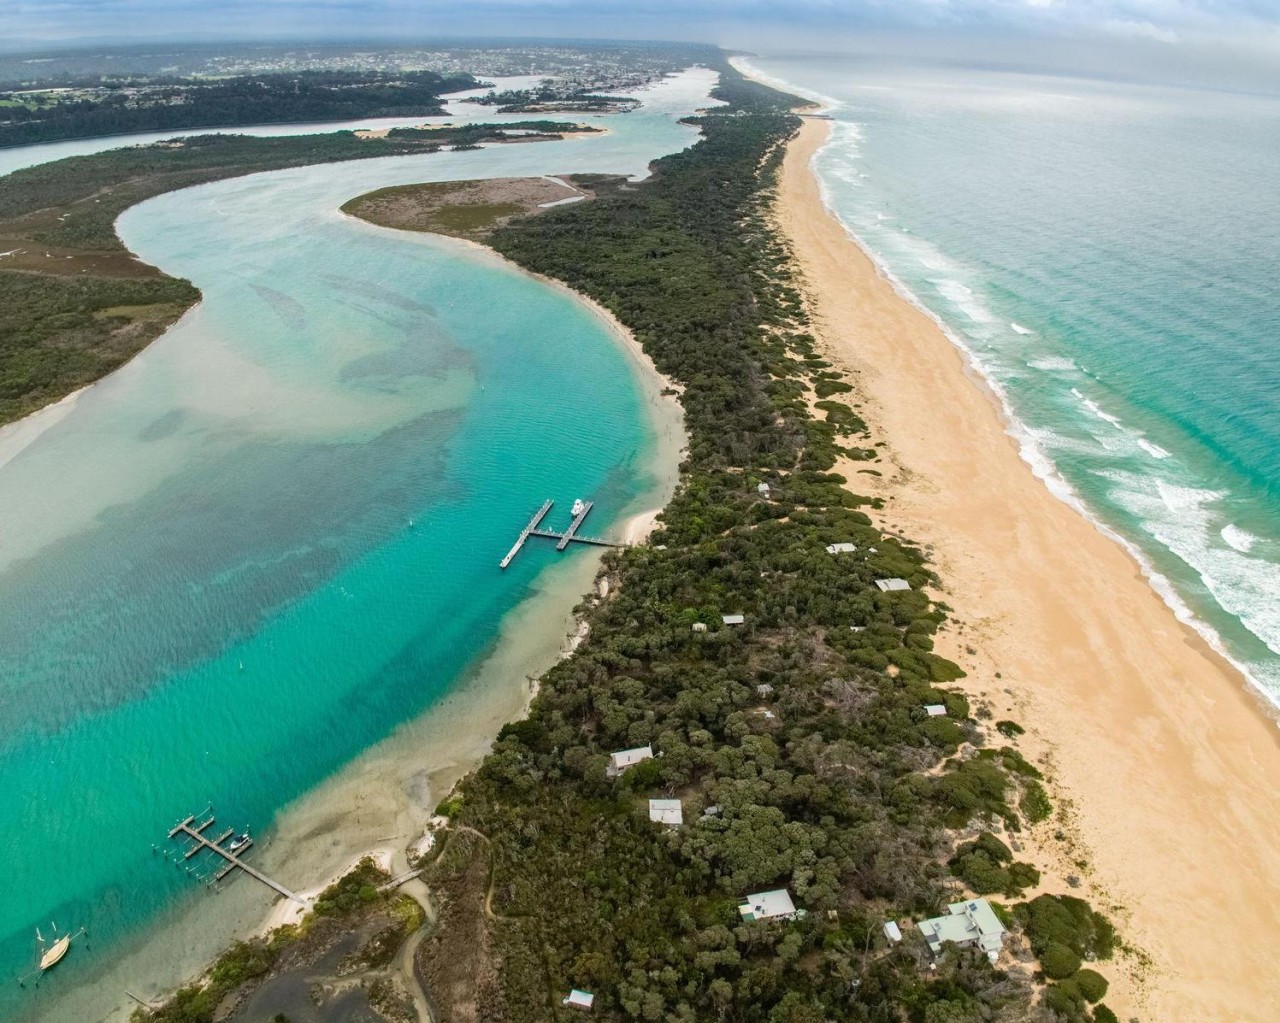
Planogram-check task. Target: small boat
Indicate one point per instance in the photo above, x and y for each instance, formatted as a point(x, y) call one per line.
point(55, 952)
point(579, 506)
point(238, 843)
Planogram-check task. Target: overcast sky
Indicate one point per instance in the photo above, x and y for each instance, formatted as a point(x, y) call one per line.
point(734, 22)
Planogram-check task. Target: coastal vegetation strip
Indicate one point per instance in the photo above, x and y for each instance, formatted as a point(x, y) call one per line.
point(75, 304)
point(775, 650)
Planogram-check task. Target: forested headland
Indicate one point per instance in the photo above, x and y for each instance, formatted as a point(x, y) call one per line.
point(121, 107)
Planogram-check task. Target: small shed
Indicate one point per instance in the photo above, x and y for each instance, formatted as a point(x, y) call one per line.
point(579, 999)
point(935, 710)
point(892, 931)
point(620, 761)
point(666, 811)
point(889, 585)
point(699, 626)
point(734, 619)
point(775, 905)
point(763, 490)
point(840, 548)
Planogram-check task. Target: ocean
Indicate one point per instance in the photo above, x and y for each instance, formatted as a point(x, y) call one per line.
point(271, 541)
point(1106, 253)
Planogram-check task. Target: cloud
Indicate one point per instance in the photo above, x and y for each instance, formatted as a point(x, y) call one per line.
point(1163, 20)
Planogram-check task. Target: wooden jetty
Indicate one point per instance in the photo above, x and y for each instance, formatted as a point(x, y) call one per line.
point(538, 516)
point(200, 843)
point(563, 539)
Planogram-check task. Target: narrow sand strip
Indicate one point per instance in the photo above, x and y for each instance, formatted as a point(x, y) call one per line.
point(1171, 766)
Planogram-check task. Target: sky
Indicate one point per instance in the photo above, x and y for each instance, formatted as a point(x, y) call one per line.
point(1248, 23)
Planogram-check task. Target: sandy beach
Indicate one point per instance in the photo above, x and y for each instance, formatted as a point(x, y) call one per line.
point(1165, 766)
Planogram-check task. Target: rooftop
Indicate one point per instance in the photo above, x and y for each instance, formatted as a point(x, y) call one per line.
point(886, 585)
point(972, 923)
point(767, 905)
point(666, 811)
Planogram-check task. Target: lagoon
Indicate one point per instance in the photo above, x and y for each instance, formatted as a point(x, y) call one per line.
point(249, 567)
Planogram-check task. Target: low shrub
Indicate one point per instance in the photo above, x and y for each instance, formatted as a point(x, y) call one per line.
point(1058, 961)
point(1092, 984)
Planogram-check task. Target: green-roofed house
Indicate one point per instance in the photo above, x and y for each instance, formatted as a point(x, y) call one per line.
point(966, 923)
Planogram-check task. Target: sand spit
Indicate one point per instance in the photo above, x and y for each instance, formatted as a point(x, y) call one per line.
point(1164, 764)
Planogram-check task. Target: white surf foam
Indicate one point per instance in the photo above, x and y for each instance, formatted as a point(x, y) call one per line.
point(1239, 539)
point(1053, 364)
point(1018, 328)
point(1153, 449)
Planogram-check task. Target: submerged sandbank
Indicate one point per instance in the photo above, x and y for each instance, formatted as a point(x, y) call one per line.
point(1166, 764)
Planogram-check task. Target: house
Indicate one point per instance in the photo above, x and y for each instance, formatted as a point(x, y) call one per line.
point(966, 923)
point(579, 999)
point(840, 548)
point(620, 761)
point(699, 626)
point(776, 905)
point(763, 490)
point(935, 710)
point(892, 931)
point(736, 619)
point(666, 811)
point(888, 585)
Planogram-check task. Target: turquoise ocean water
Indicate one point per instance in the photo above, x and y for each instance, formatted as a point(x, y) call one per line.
point(250, 554)
point(1108, 255)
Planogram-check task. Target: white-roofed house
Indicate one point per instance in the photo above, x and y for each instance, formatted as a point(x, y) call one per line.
point(889, 585)
point(892, 931)
point(775, 905)
point(840, 548)
point(763, 489)
point(966, 923)
point(620, 761)
point(733, 619)
point(935, 710)
point(666, 811)
point(579, 999)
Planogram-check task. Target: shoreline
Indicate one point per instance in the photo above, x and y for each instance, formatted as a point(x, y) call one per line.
point(1157, 750)
point(381, 802)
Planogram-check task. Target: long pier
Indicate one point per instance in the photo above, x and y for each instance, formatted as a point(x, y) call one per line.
point(563, 539)
point(183, 829)
point(538, 516)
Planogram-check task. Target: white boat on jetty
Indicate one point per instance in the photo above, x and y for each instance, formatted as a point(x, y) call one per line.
point(579, 506)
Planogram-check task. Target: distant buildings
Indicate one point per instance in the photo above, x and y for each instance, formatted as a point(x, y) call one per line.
point(888, 585)
point(966, 924)
point(666, 811)
point(776, 905)
point(620, 761)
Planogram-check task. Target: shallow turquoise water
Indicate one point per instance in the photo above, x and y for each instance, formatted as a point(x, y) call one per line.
point(252, 552)
point(1108, 255)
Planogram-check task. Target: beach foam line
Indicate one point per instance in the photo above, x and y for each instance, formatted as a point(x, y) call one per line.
point(1018, 328)
point(1029, 449)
